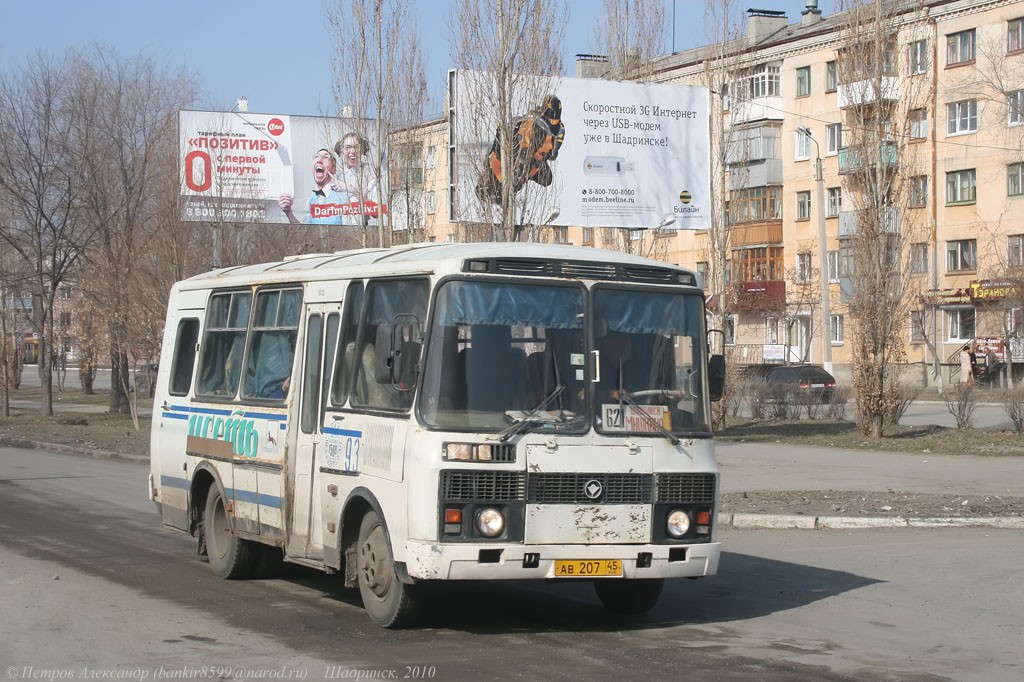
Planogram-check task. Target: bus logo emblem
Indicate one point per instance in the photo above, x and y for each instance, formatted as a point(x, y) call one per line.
point(593, 489)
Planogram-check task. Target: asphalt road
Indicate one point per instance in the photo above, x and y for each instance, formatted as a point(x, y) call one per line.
point(89, 580)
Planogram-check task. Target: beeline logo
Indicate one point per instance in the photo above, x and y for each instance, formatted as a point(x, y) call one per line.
point(275, 126)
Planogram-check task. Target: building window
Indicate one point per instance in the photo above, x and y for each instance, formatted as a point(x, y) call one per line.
point(703, 270)
point(962, 117)
point(803, 81)
point(772, 330)
point(559, 234)
point(803, 205)
point(960, 324)
point(834, 202)
point(803, 267)
point(917, 56)
point(834, 138)
point(919, 191)
point(431, 200)
point(1015, 35)
point(431, 159)
point(962, 255)
point(758, 264)
point(960, 187)
point(766, 81)
point(845, 259)
point(1015, 250)
point(1013, 321)
point(754, 204)
point(836, 329)
point(803, 146)
point(960, 48)
point(588, 235)
point(1015, 179)
point(730, 330)
point(1015, 101)
point(916, 326)
point(833, 266)
point(918, 124)
point(919, 258)
point(831, 77)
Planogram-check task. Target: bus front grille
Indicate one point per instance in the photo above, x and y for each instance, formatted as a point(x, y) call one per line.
point(686, 488)
point(482, 486)
point(605, 488)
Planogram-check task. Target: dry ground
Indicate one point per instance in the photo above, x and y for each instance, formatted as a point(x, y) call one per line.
point(116, 433)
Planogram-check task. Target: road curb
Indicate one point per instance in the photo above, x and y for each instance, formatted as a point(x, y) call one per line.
point(796, 521)
point(77, 450)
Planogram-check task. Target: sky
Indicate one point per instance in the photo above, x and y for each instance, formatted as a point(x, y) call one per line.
point(276, 53)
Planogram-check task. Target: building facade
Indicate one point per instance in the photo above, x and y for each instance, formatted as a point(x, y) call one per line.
point(941, 82)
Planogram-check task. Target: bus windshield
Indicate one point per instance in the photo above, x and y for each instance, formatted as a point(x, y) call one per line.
point(650, 362)
point(503, 354)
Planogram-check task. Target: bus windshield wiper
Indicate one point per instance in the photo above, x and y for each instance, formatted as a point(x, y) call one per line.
point(531, 418)
point(637, 409)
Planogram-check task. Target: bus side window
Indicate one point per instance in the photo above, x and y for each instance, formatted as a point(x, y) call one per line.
point(184, 356)
point(271, 355)
point(220, 362)
point(345, 363)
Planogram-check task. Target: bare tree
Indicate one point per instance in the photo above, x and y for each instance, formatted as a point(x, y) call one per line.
point(878, 166)
point(380, 78)
point(507, 44)
point(40, 180)
point(631, 33)
point(128, 125)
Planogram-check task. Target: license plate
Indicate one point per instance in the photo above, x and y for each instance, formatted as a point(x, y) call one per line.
point(817, 385)
point(590, 568)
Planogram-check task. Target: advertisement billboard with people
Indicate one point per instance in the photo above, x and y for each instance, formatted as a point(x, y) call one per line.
point(275, 168)
point(596, 153)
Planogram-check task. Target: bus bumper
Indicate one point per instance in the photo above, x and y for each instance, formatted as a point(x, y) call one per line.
point(433, 561)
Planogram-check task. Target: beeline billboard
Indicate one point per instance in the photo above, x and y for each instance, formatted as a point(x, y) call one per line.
point(275, 168)
point(601, 153)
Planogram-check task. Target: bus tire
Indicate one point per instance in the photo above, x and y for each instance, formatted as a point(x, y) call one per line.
point(629, 597)
point(387, 601)
point(231, 558)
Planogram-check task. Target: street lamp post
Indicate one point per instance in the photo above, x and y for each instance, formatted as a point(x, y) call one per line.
point(826, 316)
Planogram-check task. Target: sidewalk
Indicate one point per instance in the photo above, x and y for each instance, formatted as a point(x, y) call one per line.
point(784, 467)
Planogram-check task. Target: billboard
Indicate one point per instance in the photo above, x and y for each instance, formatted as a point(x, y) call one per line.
point(600, 153)
point(276, 168)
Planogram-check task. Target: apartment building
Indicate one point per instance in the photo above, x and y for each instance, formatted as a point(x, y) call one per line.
point(947, 90)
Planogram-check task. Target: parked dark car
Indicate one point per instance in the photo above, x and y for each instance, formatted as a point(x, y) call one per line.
point(805, 383)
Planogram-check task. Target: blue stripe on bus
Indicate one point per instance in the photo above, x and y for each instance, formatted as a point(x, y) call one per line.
point(343, 432)
point(238, 495)
point(189, 409)
point(171, 415)
point(256, 498)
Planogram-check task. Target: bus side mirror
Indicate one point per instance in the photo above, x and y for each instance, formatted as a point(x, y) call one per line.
point(397, 352)
point(716, 377)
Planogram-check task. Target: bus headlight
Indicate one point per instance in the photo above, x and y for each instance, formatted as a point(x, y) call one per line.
point(678, 523)
point(490, 522)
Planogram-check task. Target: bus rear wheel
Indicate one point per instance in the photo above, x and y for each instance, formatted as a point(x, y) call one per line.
point(388, 602)
point(231, 557)
point(629, 597)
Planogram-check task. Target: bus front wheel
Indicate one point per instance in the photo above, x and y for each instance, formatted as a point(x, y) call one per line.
point(387, 601)
point(231, 557)
point(629, 597)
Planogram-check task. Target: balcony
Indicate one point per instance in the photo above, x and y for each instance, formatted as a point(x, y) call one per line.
point(886, 89)
point(752, 234)
point(852, 160)
point(759, 295)
point(849, 222)
point(767, 172)
point(756, 109)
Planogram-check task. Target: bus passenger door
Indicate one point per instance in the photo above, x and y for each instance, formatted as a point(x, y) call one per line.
point(305, 535)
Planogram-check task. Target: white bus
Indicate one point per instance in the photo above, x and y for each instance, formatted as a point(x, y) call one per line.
point(443, 412)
